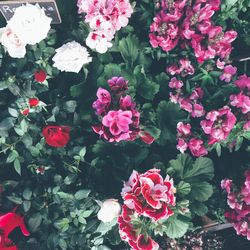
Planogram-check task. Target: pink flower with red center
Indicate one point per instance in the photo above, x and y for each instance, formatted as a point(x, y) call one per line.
point(175, 83)
point(196, 147)
point(146, 244)
point(229, 72)
point(103, 101)
point(226, 184)
point(218, 124)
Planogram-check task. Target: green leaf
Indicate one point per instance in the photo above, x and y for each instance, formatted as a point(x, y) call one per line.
point(183, 188)
point(34, 222)
point(15, 199)
point(26, 206)
point(82, 194)
point(3, 85)
point(70, 106)
point(12, 156)
point(201, 191)
point(175, 228)
point(17, 166)
point(86, 213)
point(198, 208)
point(27, 194)
point(13, 112)
point(6, 124)
point(76, 90)
point(62, 224)
point(202, 168)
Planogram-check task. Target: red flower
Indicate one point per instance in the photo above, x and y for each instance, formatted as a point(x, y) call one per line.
point(33, 102)
point(56, 136)
point(25, 112)
point(146, 244)
point(146, 137)
point(40, 76)
point(8, 223)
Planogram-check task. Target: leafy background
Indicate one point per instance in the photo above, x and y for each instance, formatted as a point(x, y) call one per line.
point(60, 206)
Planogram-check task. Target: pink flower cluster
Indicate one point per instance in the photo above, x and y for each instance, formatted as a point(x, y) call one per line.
point(242, 100)
point(105, 17)
point(183, 68)
point(239, 202)
point(218, 124)
point(190, 104)
point(120, 118)
point(147, 195)
point(186, 140)
point(196, 30)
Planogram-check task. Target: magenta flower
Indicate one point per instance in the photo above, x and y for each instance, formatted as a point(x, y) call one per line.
point(218, 124)
point(118, 84)
point(183, 129)
point(175, 83)
point(229, 72)
point(243, 82)
point(196, 147)
point(118, 121)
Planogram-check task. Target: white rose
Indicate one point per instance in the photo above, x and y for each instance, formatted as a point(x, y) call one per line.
point(12, 43)
point(71, 57)
point(30, 24)
point(110, 209)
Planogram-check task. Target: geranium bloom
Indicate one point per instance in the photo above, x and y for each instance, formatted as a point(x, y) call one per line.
point(118, 84)
point(149, 195)
point(33, 102)
point(229, 72)
point(182, 145)
point(243, 82)
point(8, 223)
point(103, 101)
point(56, 136)
point(185, 68)
point(175, 83)
point(241, 101)
point(183, 129)
point(163, 34)
point(196, 147)
point(71, 57)
point(218, 124)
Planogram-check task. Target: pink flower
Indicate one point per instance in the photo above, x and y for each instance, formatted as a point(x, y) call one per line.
point(226, 184)
point(247, 126)
point(175, 83)
point(163, 34)
point(185, 68)
point(243, 82)
point(220, 64)
point(103, 101)
point(197, 93)
point(146, 244)
point(118, 84)
point(183, 129)
point(126, 102)
point(229, 72)
point(198, 110)
point(196, 147)
point(182, 145)
point(118, 121)
point(218, 124)
point(241, 101)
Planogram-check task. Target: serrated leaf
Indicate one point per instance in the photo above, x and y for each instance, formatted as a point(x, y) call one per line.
point(198, 208)
point(183, 188)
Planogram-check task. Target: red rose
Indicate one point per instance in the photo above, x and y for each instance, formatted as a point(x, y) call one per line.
point(33, 102)
point(40, 76)
point(56, 136)
point(25, 112)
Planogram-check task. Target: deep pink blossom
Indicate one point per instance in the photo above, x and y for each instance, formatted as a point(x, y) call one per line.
point(243, 82)
point(229, 72)
point(175, 83)
point(196, 147)
point(218, 124)
point(182, 145)
point(183, 129)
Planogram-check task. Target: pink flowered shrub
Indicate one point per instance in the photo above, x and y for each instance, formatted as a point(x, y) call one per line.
point(120, 120)
point(239, 202)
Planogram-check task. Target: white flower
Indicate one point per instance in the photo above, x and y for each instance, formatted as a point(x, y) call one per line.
point(110, 209)
point(30, 24)
point(98, 41)
point(71, 57)
point(12, 43)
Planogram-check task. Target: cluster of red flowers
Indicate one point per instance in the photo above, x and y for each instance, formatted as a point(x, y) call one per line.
point(8, 223)
point(147, 195)
point(190, 22)
point(239, 202)
point(120, 120)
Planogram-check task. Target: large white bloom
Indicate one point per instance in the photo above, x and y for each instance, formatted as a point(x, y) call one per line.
point(30, 24)
point(71, 57)
point(110, 209)
point(15, 47)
